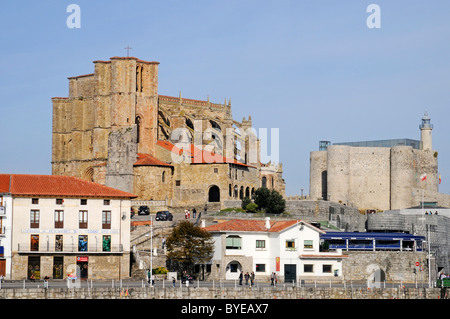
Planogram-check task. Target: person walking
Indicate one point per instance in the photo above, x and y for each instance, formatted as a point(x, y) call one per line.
point(247, 276)
point(173, 282)
point(272, 279)
point(252, 278)
point(194, 212)
point(240, 278)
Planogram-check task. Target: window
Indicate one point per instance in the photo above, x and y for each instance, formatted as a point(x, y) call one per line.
point(106, 219)
point(83, 201)
point(59, 243)
point(260, 244)
point(35, 201)
point(326, 268)
point(177, 183)
point(106, 202)
point(216, 170)
point(308, 268)
point(59, 201)
point(163, 177)
point(106, 243)
point(308, 244)
point(34, 243)
point(83, 218)
point(59, 219)
point(290, 244)
point(260, 268)
point(233, 242)
point(82, 243)
point(34, 219)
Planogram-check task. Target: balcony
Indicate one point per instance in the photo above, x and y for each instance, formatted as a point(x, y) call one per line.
point(68, 249)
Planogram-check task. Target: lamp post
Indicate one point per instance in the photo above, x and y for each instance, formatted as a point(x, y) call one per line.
point(151, 249)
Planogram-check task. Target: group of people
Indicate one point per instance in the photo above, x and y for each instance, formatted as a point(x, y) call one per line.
point(187, 213)
point(430, 213)
point(247, 277)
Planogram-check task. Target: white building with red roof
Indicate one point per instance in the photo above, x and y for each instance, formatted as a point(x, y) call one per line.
point(59, 225)
point(288, 248)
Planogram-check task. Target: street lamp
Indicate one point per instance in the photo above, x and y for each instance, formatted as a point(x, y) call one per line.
point(151, 249)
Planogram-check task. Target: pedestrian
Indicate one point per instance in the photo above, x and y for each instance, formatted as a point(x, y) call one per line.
point(194, 212)
point(189, 214)
point(173, 282)
point(276, 279)
point(206, 208)
point(185, 214)
point(240, 279)
point(148, 276)
point(163, 242)
point(246, 276)
point(272, 279)
point(252, 278)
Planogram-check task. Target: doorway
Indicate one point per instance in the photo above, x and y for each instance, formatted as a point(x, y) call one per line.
point(290, 273)
point(82, 263)
point(233, 270)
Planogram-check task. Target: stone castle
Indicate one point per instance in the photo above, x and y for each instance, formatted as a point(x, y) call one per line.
point(378, 175)
point(115, 129)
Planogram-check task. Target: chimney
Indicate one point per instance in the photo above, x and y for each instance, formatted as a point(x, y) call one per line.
point(268, 223)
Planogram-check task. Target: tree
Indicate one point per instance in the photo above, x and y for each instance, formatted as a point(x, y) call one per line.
point(269, 201)
point(245, 202)
point(261, 197)
point(188, 245)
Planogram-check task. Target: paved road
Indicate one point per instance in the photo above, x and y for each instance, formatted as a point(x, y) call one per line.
point(16, 284)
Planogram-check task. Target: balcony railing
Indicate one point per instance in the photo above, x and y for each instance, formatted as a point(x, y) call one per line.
point(69, 249)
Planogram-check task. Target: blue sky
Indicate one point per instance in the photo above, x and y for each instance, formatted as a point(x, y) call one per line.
point(313, 69)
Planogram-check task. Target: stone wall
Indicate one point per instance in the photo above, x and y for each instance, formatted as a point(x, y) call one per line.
point(396, 266)
point(338, 215)
point(222, 293)
point(378, 178)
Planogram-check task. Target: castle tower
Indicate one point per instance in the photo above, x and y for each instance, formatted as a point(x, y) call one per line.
point(425, 132)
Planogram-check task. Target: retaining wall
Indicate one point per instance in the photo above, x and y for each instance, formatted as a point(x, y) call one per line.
point(223, 293)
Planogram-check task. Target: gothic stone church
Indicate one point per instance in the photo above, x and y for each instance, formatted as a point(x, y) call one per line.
point(116, 130)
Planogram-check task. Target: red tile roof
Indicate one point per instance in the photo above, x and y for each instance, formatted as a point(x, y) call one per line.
point(56, 185)
point(148, 160)
point(243, 225)
point(198, 156)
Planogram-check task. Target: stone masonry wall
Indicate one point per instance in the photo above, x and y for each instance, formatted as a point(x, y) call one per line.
point(222, 293)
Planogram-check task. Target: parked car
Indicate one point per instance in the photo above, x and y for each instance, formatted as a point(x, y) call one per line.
point(143, 210)
point(164, 215)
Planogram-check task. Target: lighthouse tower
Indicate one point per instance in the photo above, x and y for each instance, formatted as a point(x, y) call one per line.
point(425, 132)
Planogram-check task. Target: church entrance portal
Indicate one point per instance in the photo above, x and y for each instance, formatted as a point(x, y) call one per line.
point(214, 194)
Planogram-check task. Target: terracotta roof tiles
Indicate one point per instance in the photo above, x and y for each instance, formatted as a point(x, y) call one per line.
point(148, 160)
point(56, 185)
point(242, 225)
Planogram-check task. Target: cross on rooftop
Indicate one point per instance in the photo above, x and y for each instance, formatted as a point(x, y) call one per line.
point(128, 50)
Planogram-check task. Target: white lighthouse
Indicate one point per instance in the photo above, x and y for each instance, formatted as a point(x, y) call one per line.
point(425, 132)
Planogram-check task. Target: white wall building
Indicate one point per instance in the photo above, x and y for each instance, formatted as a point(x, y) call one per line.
point(288, 248)
point(56, 225)
point(5, 234)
